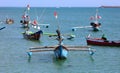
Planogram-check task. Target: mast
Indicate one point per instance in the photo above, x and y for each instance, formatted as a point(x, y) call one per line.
point(56, 16)
point(96, 16)
point(58, 30)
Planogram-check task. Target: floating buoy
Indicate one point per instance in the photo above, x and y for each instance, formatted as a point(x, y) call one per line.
point(73, 29)
point(47, 26)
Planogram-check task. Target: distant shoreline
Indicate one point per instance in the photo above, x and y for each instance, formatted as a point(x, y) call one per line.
point(110, 6)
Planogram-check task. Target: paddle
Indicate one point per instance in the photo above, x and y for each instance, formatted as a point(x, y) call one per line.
point(2, 28)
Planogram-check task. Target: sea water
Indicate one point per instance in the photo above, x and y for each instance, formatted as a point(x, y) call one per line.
point(13, 47)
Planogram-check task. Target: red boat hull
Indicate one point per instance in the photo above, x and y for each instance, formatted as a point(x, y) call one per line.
point(101, 42)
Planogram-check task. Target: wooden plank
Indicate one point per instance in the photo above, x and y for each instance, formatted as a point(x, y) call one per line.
point(41, 47)
point(52, 49)
point(67, 46)
point(80, 49)
point(40, 50)
point(71, 46)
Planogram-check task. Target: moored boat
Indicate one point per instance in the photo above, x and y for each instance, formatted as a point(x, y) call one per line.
point(25, 18)
point(9, 21)
point(101, 42)
point(95, 25)
point(33, 36)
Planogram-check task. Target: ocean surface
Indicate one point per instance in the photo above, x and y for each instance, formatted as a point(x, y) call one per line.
point(13, 47)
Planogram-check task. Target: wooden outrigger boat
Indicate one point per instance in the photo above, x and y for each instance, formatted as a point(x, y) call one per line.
point(33, 36)
point(95, 25)
point(101, 42)
point(60, 51)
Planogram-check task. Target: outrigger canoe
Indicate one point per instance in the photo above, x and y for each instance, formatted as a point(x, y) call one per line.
point(101, 42)
point(60, 51)
point(33, 36)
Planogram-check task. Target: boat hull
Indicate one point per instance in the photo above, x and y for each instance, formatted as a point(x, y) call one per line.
point(101, 42)
point(9, 21)
point(33, 36)
point(60, 52)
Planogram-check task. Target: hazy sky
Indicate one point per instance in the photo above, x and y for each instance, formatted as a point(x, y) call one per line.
point(58, 3)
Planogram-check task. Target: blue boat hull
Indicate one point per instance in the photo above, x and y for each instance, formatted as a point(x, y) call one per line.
point(60, 52)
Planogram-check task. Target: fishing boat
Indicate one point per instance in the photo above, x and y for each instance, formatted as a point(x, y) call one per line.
point(60, 51)
point(32, 36)
point(29, 34)
point(101, 42)
point(9, 21)
point(25, 18)
point(95, 24)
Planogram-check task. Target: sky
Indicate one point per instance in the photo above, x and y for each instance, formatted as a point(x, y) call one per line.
point(58, 3)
